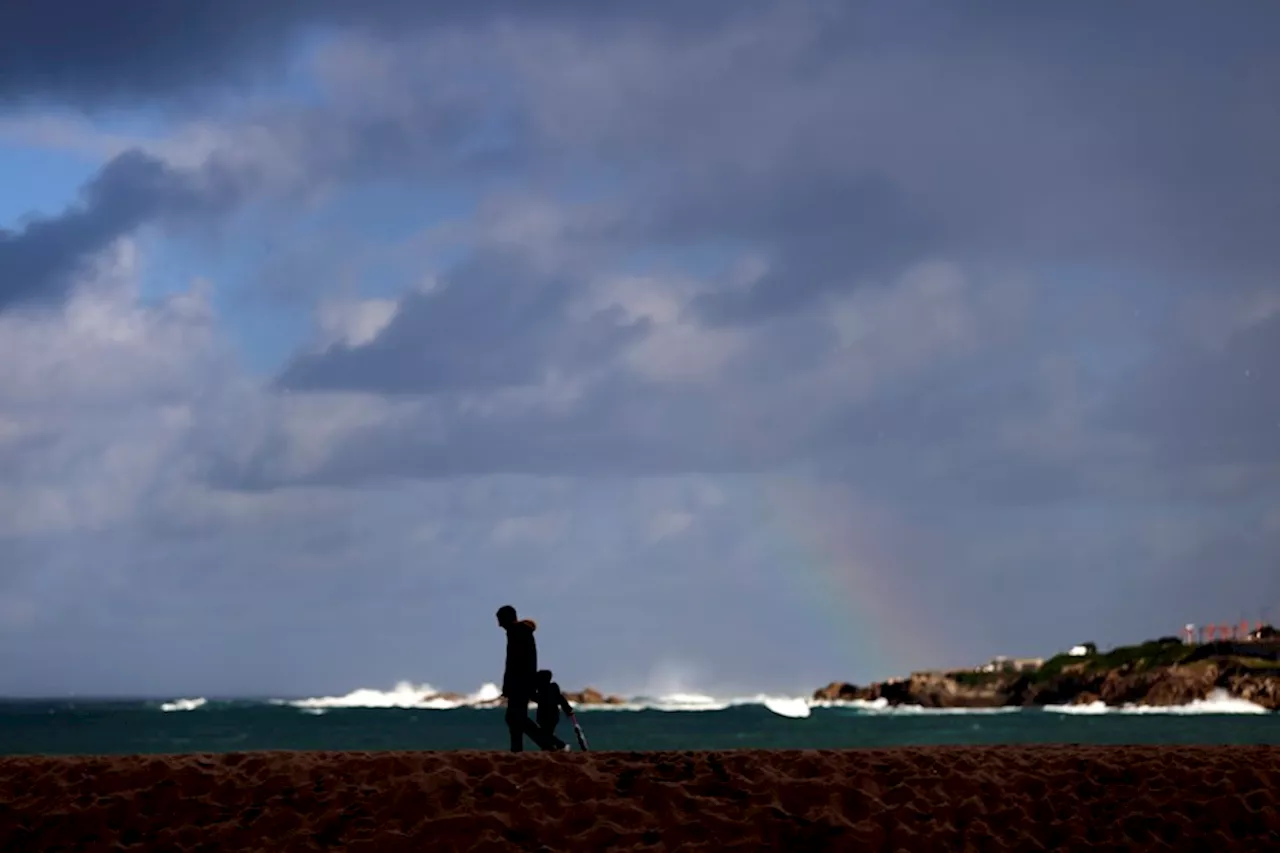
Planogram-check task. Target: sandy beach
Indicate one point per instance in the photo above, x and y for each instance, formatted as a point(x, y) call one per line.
point(925, 799)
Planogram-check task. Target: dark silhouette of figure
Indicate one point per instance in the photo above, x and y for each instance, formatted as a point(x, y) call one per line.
point(551, 702)
point(518, 677)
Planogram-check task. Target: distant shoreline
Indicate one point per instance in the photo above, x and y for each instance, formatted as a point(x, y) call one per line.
point(1164, 672)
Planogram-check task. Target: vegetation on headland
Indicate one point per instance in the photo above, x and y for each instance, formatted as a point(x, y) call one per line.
point(1166, 671)
point(1152, 654)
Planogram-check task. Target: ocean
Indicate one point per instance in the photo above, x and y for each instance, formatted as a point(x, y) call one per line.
point(367, 720)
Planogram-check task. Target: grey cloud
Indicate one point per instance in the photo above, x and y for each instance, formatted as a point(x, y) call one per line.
point(826, 235)
point(843, 146)
point(1124, 153)
point(91, 51)
point(304, 151)
point(492, 323)
point(1211, 411)
point(842, 143)
point(38, 263)
point(1065, 414)
point(1018, 422)
point(974, 137)
point(784, 399)
point(617, 429)
point(94, 54)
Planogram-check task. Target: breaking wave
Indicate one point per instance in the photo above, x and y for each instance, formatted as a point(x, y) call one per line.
point(882, 706)
point(408, 695)
point(1217, 702)
point(184, 704)
point(796, 709)
point(404, 695)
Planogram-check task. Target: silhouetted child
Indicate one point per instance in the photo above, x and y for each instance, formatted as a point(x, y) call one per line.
point(550, 703)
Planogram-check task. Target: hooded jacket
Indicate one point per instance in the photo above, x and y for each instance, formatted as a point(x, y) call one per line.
point(522, 659)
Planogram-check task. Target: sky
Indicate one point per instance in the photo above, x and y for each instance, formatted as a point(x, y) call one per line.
point(745, 346)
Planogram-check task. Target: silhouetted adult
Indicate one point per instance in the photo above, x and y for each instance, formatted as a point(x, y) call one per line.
point(518, 677)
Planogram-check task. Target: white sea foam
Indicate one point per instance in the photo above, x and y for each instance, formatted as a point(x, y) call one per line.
point(184, 704)
point(786, 706)
point(690, 702)
point(1217, 702)
point(1084, 710)
point(882, 707)
point(425, 697)
point(486, 694)
point(405, 694)
point(670, 702)
point(796, 709)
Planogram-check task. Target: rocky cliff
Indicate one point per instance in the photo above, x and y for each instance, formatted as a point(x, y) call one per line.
point(930, 690)
point(1157, 673)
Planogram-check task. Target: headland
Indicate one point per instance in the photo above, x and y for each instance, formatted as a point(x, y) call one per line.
point(1163, 672)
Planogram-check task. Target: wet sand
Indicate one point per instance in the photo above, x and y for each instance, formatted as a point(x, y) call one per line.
point(918, 799)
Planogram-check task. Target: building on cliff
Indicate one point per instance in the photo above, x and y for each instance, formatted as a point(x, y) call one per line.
point(1193, 635)
point(1001, 663)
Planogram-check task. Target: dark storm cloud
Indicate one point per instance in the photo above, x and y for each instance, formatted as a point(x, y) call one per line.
point(87, 52)
point(827, 234)
point(493, 323)
point(139, 50)
point(38, 262)
point(843, 141)
point(844, 145)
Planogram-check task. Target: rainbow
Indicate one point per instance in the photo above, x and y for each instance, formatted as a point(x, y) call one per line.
point(836, 546)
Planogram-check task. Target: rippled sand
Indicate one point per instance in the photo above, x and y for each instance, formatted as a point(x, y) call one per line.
point(926, 799)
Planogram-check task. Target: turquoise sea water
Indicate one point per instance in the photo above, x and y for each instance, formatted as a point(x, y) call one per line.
point(143, 726)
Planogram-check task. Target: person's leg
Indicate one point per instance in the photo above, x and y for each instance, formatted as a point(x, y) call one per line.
point(538, 735)
point(518, 721)
point(547, 732)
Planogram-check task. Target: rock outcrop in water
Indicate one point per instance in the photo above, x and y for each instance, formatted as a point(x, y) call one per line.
point(1162, 672)
point(930, 690)
point(591, 696)
point(587, 696)
point(445, 696)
